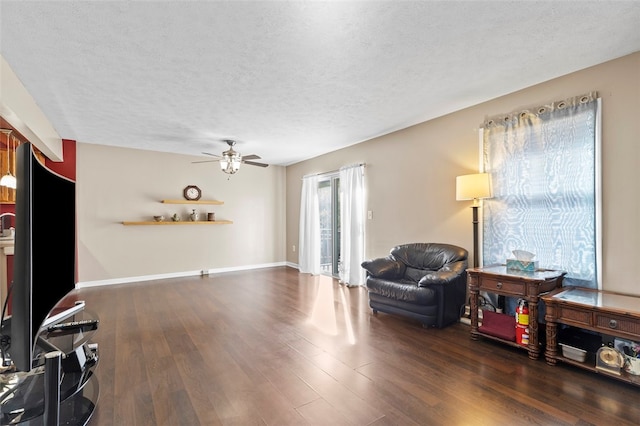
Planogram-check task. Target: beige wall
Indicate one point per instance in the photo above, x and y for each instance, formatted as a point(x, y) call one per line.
point(118, 184)
point(410, 174)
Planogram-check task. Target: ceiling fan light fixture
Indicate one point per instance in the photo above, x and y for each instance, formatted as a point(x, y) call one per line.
point(230, 162)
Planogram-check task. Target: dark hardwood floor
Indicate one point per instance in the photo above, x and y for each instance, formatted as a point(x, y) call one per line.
point(275, 347)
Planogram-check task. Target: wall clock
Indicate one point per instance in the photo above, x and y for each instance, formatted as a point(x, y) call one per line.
point(192, 193)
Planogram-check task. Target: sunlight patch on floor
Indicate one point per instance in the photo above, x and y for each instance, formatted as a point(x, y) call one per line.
point(344, 299)
point(323, 315)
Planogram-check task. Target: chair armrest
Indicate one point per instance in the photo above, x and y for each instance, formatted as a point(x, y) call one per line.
point(384, 267)
point(449, 273)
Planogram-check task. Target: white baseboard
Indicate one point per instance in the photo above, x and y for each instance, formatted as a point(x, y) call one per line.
point(127, 280)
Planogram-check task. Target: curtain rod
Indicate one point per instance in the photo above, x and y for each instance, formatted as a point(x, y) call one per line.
point(497, 120)
point(334, 171)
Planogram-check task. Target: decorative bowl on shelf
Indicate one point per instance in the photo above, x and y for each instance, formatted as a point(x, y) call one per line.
point(158, 218)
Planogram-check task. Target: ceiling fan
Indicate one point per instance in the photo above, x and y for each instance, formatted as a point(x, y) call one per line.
point(230, 160)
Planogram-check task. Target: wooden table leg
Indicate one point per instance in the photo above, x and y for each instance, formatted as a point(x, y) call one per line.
point(551, 351)
point(534, 342)
point(473, 308)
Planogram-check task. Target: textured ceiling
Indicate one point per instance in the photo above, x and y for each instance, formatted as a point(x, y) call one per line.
point(290, 80)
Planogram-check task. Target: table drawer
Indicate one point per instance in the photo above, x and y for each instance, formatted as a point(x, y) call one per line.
point(574, 316)
point(515, 288)
point(610, 323)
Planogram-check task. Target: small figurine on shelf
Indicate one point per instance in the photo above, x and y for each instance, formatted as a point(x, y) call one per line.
point(193, 216)
point(175, 217)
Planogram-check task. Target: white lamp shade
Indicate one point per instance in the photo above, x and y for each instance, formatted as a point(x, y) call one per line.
point(9, 181)
point(473, 187)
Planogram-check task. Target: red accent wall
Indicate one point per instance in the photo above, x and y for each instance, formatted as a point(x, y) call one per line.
point(66, 168)
point(7, 208)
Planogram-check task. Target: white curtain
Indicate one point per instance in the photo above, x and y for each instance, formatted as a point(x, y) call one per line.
point(309, 234)
point(544, 166)
point(352, 205)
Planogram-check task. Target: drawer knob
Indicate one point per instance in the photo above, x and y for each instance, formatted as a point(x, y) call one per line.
point(613, 323)
point(499, 285)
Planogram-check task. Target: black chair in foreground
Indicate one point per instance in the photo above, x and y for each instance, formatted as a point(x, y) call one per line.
point(424, 281)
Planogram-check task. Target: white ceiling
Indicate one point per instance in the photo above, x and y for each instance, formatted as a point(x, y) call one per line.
point(290, 80)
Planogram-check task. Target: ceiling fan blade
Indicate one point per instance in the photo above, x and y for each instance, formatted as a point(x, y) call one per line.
point(205, 161)
point(251, 157)
point(213, 155)
point(253, 163)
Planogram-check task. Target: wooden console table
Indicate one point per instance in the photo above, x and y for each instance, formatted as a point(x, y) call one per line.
point(506, 282)
point(604, 312)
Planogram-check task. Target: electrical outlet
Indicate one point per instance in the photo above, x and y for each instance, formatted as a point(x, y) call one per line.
point(369, 215)
point(293, 248)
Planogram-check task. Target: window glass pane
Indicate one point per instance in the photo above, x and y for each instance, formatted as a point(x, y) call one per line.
point(329, 205)
point(326, 230)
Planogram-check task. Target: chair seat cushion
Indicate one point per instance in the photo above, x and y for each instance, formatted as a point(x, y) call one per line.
point(402, 290)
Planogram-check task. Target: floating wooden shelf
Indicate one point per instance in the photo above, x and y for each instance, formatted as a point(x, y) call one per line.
point(185, 222)
point(182, 222)
point(192, 202)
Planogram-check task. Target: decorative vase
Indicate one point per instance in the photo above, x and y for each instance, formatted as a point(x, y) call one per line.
point(175, 217)
point(193, 216)
point(211, 217)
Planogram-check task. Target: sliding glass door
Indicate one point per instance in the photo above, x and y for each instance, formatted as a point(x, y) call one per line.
point(329, 204)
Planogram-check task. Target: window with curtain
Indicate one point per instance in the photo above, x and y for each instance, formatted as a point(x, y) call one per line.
point(545, 173)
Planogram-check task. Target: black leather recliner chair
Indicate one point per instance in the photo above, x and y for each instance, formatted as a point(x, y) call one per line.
point(424, 281)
